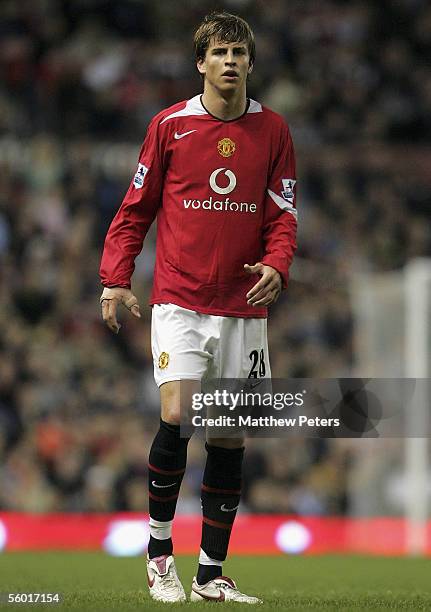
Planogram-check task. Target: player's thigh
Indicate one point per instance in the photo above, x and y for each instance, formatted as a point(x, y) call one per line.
point(177, 344)
point(243, 350)
point(242, 354)
point(179, 356)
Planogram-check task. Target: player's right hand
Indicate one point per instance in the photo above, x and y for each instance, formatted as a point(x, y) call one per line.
point(110, 298)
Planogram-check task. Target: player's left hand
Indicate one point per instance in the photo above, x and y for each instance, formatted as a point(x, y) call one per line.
point(266, 291)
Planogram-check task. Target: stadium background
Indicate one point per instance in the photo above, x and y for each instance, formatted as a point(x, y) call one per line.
point(80, 80)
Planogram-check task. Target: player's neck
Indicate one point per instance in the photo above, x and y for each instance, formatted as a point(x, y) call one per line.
point(223, 107)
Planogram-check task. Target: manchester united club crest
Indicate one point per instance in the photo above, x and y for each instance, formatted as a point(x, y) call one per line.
point(163, 360)
point(226, 147)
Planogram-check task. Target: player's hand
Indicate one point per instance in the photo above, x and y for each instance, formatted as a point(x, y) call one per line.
point(110, 298)
point(267, 290)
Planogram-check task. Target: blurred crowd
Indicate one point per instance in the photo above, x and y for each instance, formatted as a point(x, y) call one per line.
point(79, 82)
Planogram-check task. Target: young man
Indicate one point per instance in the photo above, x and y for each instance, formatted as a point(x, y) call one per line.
point(218, 171)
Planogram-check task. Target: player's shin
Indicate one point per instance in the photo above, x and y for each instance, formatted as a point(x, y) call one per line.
point(221, 490)
point(166, 467)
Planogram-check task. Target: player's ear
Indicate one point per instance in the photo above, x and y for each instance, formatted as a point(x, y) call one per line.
point(250, 67)
point(200, 64)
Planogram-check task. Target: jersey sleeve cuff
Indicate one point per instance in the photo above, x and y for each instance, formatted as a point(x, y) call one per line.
point(118, 284)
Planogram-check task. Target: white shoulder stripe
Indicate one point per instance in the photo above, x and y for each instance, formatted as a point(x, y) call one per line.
point(192, 107)
point(281, 203)
point(254, 107)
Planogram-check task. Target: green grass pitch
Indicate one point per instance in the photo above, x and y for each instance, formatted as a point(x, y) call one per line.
point(97, 582)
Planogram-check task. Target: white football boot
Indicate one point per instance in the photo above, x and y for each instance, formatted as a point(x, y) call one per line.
point(163, 580)
point(220, 589)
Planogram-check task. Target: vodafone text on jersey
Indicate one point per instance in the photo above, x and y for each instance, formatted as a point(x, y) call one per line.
point(221, 205)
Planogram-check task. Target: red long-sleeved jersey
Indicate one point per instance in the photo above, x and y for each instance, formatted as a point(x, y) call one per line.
point(224, 195)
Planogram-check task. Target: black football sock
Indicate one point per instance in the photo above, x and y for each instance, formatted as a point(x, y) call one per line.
point(166, 467)
point(207, 573)
point(221, 491)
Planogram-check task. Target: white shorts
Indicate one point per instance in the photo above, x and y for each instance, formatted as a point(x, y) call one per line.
point(188, 345)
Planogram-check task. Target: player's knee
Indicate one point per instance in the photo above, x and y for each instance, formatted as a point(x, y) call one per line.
point(226, 442)
point(170, 401)
point(171, 414)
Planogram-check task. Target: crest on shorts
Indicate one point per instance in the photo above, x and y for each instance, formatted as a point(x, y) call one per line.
point(163, 360)
point(226, 147)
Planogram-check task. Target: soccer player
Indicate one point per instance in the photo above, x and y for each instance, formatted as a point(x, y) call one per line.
point(218, 172)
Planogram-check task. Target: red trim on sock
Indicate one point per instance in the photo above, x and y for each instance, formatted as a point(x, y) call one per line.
point(225, 491)
point(166, 472)
point(162, 499)
point(212, 523)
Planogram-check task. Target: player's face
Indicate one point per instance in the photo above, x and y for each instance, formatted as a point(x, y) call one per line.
point(226, 65)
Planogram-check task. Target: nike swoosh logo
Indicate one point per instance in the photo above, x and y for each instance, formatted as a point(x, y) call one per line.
point(221, 596)
point(256, 384)
point(178, 136)
point(224, 509)
point(162, 486)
